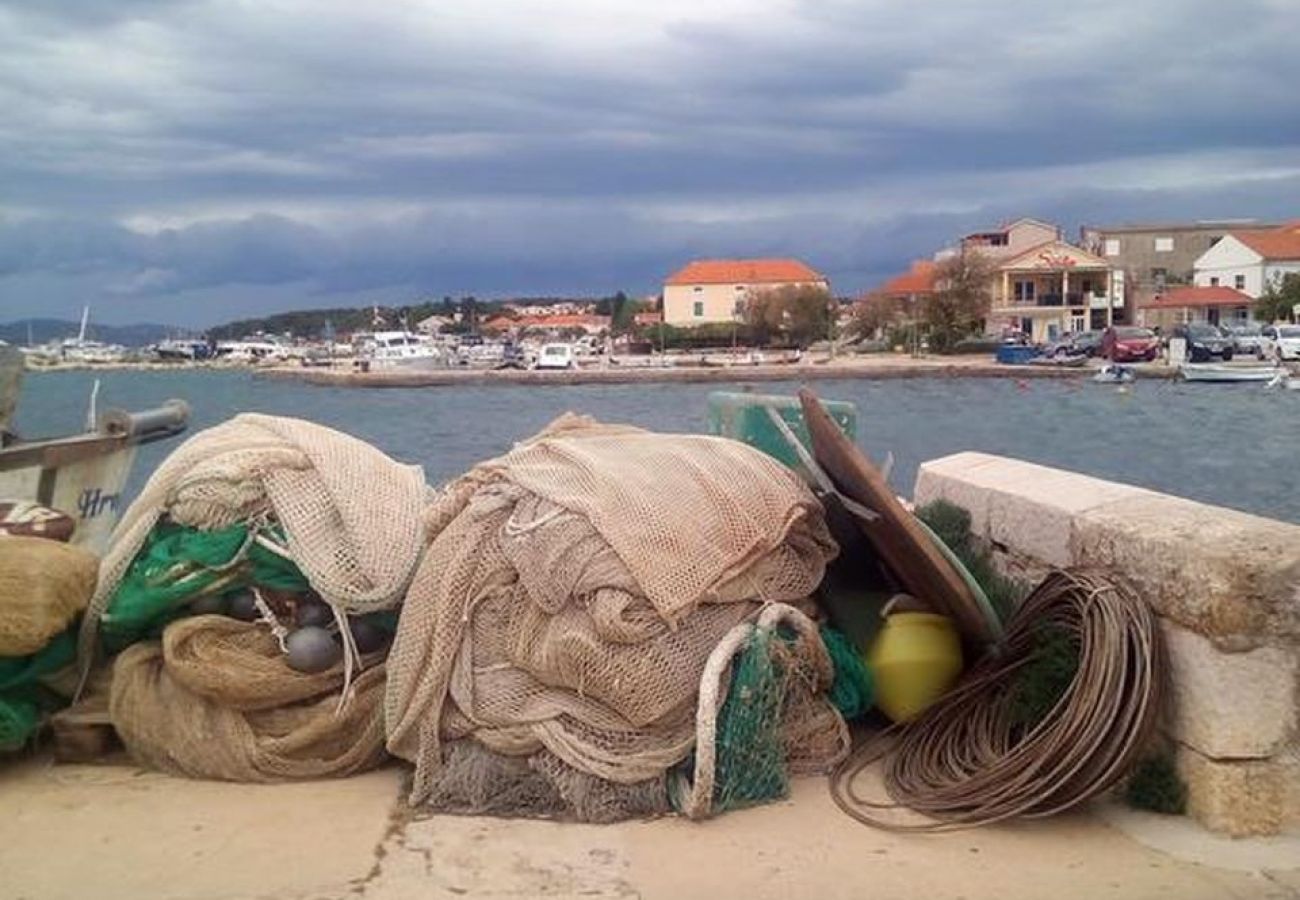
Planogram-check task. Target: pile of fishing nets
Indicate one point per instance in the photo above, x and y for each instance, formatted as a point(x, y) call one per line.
point(603, 623)
point(570, 633)
point(250, 590)
point(44, 586)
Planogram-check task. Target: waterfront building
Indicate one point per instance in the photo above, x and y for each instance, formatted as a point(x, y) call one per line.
point(716, 290)
point(1250, 260)
point(1188, 304)
point(1054, 288)
point(1156, 257)
point(1007, 241)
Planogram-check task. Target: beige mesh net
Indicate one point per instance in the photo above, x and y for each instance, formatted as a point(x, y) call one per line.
point(215, 699)
point(352, 517)
point(571, 594)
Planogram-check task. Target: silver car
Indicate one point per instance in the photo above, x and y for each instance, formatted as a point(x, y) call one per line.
point(1245, 338)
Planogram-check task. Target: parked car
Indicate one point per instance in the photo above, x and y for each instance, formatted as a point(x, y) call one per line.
point(1279, 342)
point(1205, 342)
point(1127, 343)
point(1087, 343)
point(1245, 338)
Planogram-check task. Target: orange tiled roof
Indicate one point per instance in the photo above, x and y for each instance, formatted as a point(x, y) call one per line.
point(562, 321)
point(917, 280)
point(1273, 243)
point(744, 271)
point(1207, 295)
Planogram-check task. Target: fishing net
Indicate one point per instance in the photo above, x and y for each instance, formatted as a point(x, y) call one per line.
point(570, 597)
point(474, 780)
point(26, 696)
point(352, 518)
point(44, 585)
point(178, 565)
point(215, 699)
point(762, 716)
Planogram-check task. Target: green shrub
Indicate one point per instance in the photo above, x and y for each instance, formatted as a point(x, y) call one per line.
point(1154, 785)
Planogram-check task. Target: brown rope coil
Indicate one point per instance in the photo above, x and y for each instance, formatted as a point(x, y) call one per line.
point(969, 760)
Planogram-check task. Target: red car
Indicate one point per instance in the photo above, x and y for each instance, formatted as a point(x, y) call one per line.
point(1124, 343)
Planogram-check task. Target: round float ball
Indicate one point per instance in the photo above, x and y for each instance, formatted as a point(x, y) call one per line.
point(312, 649)
point(243, 606)
point(368, 636)
point(209, 605)
point(314, 612)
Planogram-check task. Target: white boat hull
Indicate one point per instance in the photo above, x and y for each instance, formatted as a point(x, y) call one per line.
point(1192, 372)
point(89, 490)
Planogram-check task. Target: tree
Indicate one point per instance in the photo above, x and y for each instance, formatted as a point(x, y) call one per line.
point(961, 299)
point(874, 313)
point(1279, 300)
point(792, 314)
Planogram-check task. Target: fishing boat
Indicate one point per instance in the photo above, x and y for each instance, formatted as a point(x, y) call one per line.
point(1211, 372)
point(400, 351)
point(81, 475)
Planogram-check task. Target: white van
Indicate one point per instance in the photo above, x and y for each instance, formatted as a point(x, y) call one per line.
point(555, 356)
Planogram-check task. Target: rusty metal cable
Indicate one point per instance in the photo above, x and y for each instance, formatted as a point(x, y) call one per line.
point(971, 759)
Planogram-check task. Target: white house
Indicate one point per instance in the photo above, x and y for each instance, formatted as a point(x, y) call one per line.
point(1250, 260)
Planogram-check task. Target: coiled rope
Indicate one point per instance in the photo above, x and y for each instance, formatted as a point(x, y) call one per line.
point(972, 759)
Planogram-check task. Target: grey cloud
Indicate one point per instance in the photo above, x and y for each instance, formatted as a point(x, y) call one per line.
point(519, 157)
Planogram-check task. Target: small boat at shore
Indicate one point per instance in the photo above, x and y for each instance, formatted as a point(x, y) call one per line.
point(81, 475)
point(1114, 374)
point(1225, 373)
point(1074, 361)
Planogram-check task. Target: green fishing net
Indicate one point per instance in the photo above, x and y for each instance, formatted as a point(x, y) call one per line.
point(751, 752)
point(24, 700)
point(178, 565)
point(853, 692)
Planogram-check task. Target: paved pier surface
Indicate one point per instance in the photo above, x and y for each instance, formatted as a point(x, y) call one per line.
point(115, 832)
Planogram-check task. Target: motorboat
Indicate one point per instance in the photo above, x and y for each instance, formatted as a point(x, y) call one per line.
point(1112, 373)
point(1221, 373)
point(400, 351)
point(81, 475)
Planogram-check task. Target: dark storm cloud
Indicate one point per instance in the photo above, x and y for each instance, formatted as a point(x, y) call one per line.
point(154, 151)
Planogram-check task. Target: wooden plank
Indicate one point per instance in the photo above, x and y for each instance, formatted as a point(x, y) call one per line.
point(897, 536)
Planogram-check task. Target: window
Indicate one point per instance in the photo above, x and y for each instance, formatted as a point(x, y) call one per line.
point(1214, 281)
point(740, 287)
point(699, 308)
point(1164, 245)
point(1024, 291)
point(1112, 246)
point(1159, 277)
point(1239, 282)
point(739, 308)
point(697, 289)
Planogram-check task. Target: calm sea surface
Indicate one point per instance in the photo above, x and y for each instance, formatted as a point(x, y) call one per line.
point(1232, 445)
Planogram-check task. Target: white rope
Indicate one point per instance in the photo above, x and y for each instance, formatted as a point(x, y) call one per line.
point(269, 618)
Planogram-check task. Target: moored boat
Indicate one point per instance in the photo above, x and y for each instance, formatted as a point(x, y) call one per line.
point(1225, 373)
point(81, 475)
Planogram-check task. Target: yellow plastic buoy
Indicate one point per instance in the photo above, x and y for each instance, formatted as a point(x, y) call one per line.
point(914, 660)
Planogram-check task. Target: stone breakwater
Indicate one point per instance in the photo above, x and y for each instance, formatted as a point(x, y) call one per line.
point(877, 368)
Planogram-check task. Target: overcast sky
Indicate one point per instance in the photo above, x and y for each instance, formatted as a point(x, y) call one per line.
point(193, 162)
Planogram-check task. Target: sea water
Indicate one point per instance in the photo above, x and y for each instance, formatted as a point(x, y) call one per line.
point(1230, 445)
